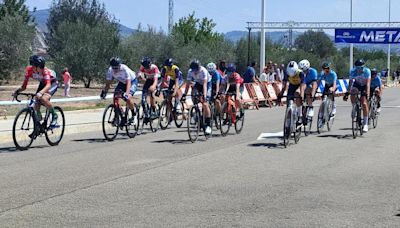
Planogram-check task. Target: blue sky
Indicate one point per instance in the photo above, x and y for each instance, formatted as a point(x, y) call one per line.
point(233, 14)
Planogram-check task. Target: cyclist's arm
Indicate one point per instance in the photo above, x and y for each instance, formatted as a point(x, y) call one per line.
point(205, 87)
point(237, 89)
point(314, 88)
point(217, 86)
point(302, 89)
point(155, 80)
point(368, 87)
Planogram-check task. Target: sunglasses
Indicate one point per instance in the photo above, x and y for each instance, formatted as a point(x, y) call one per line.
point(115, 68)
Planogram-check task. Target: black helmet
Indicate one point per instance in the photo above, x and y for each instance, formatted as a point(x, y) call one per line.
point(231, 67)
point(115, 62)
point(169, 62)
point(146, 62)
point(374, 71)
point(326, 65)
point(359, 63)
point(37, 61)
point(195, 65)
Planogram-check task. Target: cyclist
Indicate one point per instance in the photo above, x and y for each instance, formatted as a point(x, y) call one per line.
point(330, 78)
point(295, 78)
point(47, 85)
point(200, 80)
point(311, 77)
point(376, 87)
point(172, 73)
point(235, 85)
point(360, 80)
point(222, 67)
point(127, 82)
point(150, 73)
point(215, 84)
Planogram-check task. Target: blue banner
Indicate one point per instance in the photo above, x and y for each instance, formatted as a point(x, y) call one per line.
point(368, 36)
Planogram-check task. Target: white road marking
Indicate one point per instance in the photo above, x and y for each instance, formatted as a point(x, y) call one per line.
point(270, 135)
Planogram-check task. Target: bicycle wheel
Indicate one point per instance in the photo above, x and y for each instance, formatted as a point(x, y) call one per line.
point(55, 130)
point(193, 124)
point(287, 127)
point(225, 119)
point(179, 115)
point(374, 113)
point(320, 121)
point(360, 120)
point(329, 117)
point(154, 118)
point(308, 126)
point(23, 129)
point(239, 121)
point(164, 115)
point(110, 123)
point(297, 131)
point(132, 121)
point(354, 121)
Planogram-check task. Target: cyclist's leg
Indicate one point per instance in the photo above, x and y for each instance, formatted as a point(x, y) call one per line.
point(145, 92)
point(364, 103)
point(130, 103)
point(45, 100)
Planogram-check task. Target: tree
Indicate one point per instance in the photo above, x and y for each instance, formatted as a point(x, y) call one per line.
point(83, 37)
point(16, 35)
point(316, 42)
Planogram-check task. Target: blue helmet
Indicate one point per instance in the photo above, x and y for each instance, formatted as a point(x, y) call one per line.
point(231, 67)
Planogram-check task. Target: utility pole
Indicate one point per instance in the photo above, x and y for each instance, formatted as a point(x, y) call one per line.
point(262, 53)
point(170, 16)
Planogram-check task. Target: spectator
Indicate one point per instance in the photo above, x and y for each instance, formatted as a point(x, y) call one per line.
point(278, 76)
point(250, 75)
point(282, 71)
point(264, 75)
point(67, 82)
point(222, 67)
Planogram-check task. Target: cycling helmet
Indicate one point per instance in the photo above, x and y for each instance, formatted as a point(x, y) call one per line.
point(37, 61)
point(326, 65)
point(374, 71)
point(195, 65)
point(146, 62)
point(211, 67)
point(231, 67)
point(359, 63)
point(292, 68)
point(304, 65)
point(169, 62)
point(115, 62)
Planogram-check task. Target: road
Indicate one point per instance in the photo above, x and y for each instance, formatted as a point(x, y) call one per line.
point(162, 180)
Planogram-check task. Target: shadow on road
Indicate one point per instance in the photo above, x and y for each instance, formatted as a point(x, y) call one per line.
point(348, 136)
point(14, 150)
point(346, 129)
point(97, 140)
point(173, 141)
point(268, 145)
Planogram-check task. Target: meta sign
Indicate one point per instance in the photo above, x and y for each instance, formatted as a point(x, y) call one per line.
point(368, 36)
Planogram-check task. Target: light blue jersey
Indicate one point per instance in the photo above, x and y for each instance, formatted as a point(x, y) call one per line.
point(376, 82)
point(311, 77)
point(360, 79)
point(329, 78)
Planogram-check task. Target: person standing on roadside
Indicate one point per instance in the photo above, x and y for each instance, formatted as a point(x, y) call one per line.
point(67, 82)
point(249, 75)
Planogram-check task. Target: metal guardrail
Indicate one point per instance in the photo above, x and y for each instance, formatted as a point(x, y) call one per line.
point(58, 100)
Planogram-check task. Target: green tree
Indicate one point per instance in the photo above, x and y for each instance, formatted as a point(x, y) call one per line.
point(316, 42)
point(16, 35)
point(83, 37)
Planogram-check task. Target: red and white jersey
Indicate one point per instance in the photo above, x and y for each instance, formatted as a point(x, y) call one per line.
point(151, 73)
point(234, 78)
point(45, 77)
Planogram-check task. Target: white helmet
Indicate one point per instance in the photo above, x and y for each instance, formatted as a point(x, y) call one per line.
point(304, 65)
point(292, 68)
point(211, 67)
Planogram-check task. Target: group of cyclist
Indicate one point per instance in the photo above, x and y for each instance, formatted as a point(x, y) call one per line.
point(211, 82)
point(302, 82)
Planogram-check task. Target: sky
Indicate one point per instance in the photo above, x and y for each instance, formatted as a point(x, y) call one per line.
point(232, 15)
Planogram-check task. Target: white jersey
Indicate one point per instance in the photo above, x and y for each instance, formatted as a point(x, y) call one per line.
point(123, 75)
point(199, 76)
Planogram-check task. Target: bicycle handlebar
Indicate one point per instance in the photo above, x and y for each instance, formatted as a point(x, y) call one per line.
point(24, 94)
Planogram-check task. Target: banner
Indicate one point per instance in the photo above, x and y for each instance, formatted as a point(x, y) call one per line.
point(368, 36)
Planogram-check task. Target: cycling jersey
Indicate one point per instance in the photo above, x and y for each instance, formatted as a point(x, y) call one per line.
point(123, 75)
point(297, 79)
point(150, 74)
point(376, 82)
point(45, 77)
point(329, 78)
point(199, 76)
point(360, 79)
point(234, 78)
point(311, 77)
point(173, 72)
point(215, 77)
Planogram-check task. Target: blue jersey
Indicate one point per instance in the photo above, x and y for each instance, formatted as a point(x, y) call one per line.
point(360, 78)
point(329, 78)
point(311, 77)
point(215, 77)
point(376, 82)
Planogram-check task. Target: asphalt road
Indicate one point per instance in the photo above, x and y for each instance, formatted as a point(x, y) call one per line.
point(162, 180)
